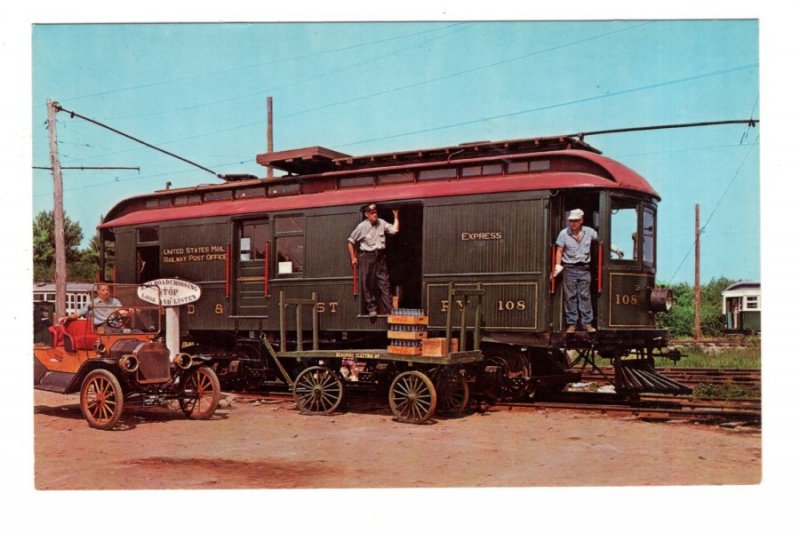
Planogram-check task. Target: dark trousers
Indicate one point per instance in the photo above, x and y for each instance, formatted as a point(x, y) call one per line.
point(375, 281)
point(577, 298)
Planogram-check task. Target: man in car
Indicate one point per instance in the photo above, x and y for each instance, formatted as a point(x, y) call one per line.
point(101, 307)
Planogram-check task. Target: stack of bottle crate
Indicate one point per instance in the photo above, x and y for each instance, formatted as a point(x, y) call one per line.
point(407, 329)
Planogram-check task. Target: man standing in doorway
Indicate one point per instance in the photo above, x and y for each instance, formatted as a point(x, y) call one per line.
point(367, 247)
point(574, 253)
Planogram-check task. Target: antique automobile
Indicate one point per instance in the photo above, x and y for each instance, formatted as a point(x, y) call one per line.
point(117, 356)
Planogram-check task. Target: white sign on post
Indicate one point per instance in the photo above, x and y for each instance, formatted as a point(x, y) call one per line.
point(170, 293)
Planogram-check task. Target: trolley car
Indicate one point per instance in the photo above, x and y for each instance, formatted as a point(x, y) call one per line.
point(480, 217)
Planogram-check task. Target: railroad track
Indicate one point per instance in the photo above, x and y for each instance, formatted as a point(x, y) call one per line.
point(652, 407)
point(647, 408)
point(749, 379)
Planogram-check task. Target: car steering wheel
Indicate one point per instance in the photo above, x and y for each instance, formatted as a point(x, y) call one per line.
point(119, 318)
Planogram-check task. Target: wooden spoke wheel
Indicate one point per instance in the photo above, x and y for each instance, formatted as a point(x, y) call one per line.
point(200, 393)
point(412, 397)
point(318, 391)
point(452, 392)
point(101, 399)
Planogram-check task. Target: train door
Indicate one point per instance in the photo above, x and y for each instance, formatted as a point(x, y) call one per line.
point(251, 260)
point(589, 203)
point(403, 256)
point(147, 254)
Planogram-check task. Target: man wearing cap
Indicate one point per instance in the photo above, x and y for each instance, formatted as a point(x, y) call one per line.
point(574, 253)
point(367, 247)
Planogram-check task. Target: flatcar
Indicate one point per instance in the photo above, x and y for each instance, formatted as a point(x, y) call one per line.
point(480, 215)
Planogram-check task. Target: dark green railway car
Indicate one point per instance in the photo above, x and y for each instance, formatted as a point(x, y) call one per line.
point(474, 215)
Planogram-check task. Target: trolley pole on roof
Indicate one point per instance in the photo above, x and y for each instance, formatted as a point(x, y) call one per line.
point(269, 132)
point(697, 305)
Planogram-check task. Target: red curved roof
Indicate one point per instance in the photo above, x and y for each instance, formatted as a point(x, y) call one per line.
point(623, 179)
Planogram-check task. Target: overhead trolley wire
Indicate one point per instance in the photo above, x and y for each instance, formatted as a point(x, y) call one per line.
point(74, 114)
point(714, 210)
point(267, 63)
point(561, 104)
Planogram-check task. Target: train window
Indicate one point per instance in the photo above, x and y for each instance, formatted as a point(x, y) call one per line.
point(438, 174)
point(396, 177)
point(186, 199)
point(517, 166)
point(624, 230)
point(251, 192)
point(290, 244)
point(283, 189)
point(290, 252)
point(146, 235)
point(158, 202)
point(291, 224)
point(252, 240)
point(315, 186)
point(482, 170)
point(356, 181)
point(648, 236)
point(217, 195)
point(751, 302)
point(540, 165)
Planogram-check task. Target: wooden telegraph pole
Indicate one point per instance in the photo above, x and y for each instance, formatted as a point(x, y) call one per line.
point(58, 214)
point(697, 305)
point(269, 132)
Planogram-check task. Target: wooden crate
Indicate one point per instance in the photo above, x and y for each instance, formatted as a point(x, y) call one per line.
point(407, 335)
point(436, 347)
point(408, 320)
point(405, 350)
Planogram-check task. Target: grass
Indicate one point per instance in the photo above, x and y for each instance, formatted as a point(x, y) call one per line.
point(724, 392)
point(747, 357)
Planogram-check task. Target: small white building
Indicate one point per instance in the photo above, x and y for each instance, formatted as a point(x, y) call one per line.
point(78, 294)
point(741, 305)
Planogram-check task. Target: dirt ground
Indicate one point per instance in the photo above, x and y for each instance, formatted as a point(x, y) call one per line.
point(267, 443)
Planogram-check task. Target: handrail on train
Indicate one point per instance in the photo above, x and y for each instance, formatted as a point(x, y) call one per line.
point(454, 293)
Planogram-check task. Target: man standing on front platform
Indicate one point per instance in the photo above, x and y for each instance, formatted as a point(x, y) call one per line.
point(575, 252)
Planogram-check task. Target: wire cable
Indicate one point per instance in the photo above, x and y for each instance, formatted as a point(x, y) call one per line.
point(561, 104)
point(714, 210)
point(73, 114)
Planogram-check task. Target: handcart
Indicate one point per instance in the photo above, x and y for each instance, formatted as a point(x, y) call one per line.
point(421, 376)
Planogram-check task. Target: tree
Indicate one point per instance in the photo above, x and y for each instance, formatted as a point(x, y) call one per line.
point(680, 321)
point(44, 247)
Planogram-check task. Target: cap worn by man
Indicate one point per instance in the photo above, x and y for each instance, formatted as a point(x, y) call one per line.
point(575, 214)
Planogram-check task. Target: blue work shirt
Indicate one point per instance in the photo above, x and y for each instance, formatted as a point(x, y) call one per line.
point(576, 251)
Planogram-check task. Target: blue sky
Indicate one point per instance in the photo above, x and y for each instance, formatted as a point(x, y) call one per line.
point(199, 90)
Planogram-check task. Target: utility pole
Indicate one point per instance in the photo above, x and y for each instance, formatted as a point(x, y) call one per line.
point(58, 215)
point(269, 132)
point(697, 272)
